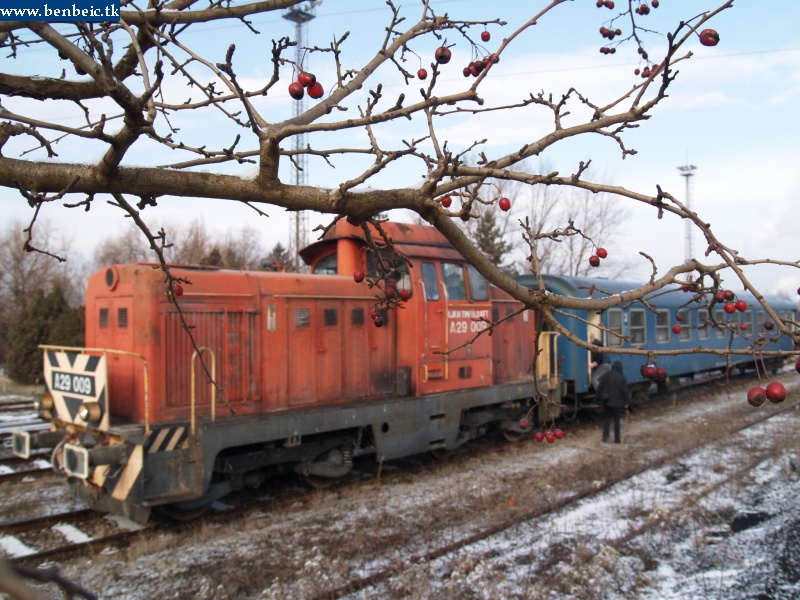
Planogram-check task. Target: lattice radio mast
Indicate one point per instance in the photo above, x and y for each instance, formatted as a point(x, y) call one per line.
point(299, 237)
point(687, 172)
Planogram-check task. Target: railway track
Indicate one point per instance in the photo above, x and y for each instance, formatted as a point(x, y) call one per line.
point(70, 535)
point(358, 585)
point(65, 535)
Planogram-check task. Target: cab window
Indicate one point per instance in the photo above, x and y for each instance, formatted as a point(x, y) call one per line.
point(326, 266)
point(478, 287)
point(430, 281)
point(453, 276)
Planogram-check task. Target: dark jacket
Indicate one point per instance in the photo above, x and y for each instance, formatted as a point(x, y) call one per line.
point(613, 387)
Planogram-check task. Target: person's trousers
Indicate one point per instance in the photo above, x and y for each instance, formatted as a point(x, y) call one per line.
point(612, 412)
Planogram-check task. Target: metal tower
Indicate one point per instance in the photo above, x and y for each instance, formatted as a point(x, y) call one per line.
point(687, 172)
point(299, 237)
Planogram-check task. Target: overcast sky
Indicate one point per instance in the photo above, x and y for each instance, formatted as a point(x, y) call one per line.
point(732, 113)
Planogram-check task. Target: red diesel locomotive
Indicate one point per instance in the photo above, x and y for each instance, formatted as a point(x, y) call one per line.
point(304, 379)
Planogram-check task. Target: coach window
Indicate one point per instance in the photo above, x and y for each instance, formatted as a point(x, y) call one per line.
point(636, 326)
point(478, 288)
point(702, 324)
point(719, 317)
point(326, 266)
point(453, 276)
point(614, 326)
point(686, 325)
point(430, 281)
point(662, 327)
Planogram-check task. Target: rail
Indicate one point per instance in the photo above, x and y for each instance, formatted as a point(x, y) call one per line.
point(213, 384)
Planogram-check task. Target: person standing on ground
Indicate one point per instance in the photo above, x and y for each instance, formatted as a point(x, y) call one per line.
point(613, 387)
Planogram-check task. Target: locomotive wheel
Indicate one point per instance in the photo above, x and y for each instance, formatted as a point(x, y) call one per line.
point(512, 436)
point(440, 453)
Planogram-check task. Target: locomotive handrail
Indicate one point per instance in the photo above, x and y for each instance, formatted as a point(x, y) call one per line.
point(213, 385)
point(146, 381)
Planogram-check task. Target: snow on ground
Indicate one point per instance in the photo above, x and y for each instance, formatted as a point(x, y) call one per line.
point(718, 521)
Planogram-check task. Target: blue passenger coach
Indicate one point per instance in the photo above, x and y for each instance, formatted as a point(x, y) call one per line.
point(651, 327)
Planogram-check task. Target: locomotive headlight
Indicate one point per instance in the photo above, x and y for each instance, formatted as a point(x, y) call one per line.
point(43, 402)
point(90, 411)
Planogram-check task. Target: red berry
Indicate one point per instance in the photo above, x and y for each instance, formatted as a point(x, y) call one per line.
point(389, 291)
point(599, 3)
point(730, 307)
point(404, 295)
point(505, 204)
point(661, 374)
point(650, 372)
point(316, 91)
point(466, 72)
point(679, 318)
point(719, 296)
point(296, 90)
point(769, 325)
point(654, 3)
point(729, 295)
point(676, 329)
point(756, 396)
point(539, 436)
point(307, 79)
point(602, 252)
point(177, 289)
point(609, 4)
point(523, 423)
point(422, 74)
point(447, 201)
point(358, 275)
point(442, 55)
point(378, 321)
point(709, 37)
point(550, 437)
point(559, 434)
point(741, 305)
point(594, 260)
point(776, 392)
point(486, 36)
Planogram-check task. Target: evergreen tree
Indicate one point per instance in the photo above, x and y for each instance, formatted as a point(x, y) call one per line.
point(278, 260)
point(33, 327)
point(489, 236)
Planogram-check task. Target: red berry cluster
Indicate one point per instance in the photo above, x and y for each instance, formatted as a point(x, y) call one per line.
point(774, 392)
point(731, 304)
point(476, 67)
point(306, 81)
point(594, 259)
point(390, 294)
point(643, 9)
point(606, 3)
point(653, 373)
point(610, 34)
point(551, 435)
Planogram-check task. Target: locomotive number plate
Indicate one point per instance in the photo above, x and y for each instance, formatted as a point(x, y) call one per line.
point(72, 383)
